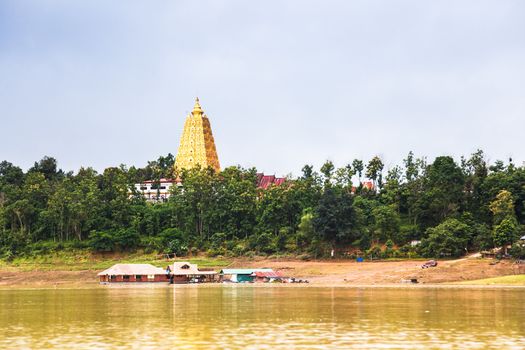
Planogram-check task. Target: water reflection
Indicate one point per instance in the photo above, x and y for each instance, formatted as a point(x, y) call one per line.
point(233, 316)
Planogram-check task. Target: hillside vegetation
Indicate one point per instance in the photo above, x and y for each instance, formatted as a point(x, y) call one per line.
point(452, 207)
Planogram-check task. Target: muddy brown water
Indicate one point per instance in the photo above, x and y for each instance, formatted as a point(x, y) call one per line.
point(247, 317)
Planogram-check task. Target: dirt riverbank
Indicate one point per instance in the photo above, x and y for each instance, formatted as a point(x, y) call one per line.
point(391, 272)
point(333, 272)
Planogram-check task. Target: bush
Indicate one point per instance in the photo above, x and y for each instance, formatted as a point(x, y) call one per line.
point(216, 252)
point(172, 240)
point(518, 250)
point(7, 254)
point(264, 243)
point(149, 244)
point(450, 238)
point(239, 249)
point(280, 241)
point(305, 257)
point(250, 254)
point(506, 232)
point(483, 239)
point(374, 252)
point(127, 239)
point(43, 247)
point(76, 244)
point(101, 241)
point(364, 242)
point(407, 233)
point(218, 239)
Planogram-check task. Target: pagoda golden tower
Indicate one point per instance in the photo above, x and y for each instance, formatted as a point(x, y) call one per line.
point(197, 146)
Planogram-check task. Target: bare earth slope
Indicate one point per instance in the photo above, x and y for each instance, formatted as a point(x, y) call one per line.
point(389, 272)
point(332, 272)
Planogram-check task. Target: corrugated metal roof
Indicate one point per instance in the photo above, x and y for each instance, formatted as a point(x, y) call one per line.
point(242, 271)
point(268, 274)
point(265, 181)
point(133, 269)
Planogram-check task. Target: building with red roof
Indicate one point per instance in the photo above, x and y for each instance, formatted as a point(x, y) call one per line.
point(265, 181)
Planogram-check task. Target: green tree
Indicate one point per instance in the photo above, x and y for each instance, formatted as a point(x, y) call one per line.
point(327, 170)
point(450, 238)
point(343, 176)
point(443, 191)
point(502, 207)
point(305, 231)
point(386, 223)
point(334, 218)
point(374, 171)
point(506, 232)
point(358, 166)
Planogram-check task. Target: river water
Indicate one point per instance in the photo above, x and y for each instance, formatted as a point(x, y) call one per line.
point(273, 317)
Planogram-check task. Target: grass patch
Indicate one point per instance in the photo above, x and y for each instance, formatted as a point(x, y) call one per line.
point(512, 280)
point(79, 260)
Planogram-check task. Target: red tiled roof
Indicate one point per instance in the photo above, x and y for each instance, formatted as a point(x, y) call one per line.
point(369, 185)
point(264, 181)
point(279, 181)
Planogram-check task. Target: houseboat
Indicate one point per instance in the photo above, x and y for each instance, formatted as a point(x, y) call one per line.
point(184, 272)
point(240, 275)
point(268, 276)
point(133, 273)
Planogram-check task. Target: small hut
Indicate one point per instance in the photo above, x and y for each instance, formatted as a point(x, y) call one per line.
point(267, 276)
point(240, 275)
point(184, 272)
point(133, 273)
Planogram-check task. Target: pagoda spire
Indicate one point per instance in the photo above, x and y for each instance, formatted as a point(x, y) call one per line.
point(197, 110)
point(197, 146)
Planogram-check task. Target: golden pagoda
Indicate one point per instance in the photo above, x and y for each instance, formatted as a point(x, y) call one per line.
point(197, 146)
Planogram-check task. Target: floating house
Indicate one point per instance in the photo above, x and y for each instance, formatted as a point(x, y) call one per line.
point(240, 275)
point(133, 273)
point(184, 272)
point(268, 276)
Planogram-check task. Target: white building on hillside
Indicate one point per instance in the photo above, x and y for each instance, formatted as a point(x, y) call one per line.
point(156, 191)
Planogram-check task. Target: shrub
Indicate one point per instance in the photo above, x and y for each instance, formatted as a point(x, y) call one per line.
point(506, 232)
point(374, 252)
point(250, 254)
point(76, 244)
point(101, 241)
point(305, 257)
point(172, 240)
point(218, 239)
point(364, 242)
point(239, 249)
point(518, 250)
point(450, 238)
point(264, 243)
point(127, 239)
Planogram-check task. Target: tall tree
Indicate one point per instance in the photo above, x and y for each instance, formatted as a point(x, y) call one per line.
point(374, 171)
point(443, 191)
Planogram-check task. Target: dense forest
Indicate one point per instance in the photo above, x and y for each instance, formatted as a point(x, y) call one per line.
point(452, 208)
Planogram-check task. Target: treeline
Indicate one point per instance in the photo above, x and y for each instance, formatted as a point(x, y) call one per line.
point(451, 207)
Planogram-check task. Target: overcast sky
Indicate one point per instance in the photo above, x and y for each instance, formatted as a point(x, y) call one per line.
point(284, 83)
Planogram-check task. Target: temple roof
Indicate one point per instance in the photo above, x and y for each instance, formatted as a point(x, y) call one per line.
point(265, 181)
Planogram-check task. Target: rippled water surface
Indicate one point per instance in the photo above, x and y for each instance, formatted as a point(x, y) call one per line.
point(239, 317)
